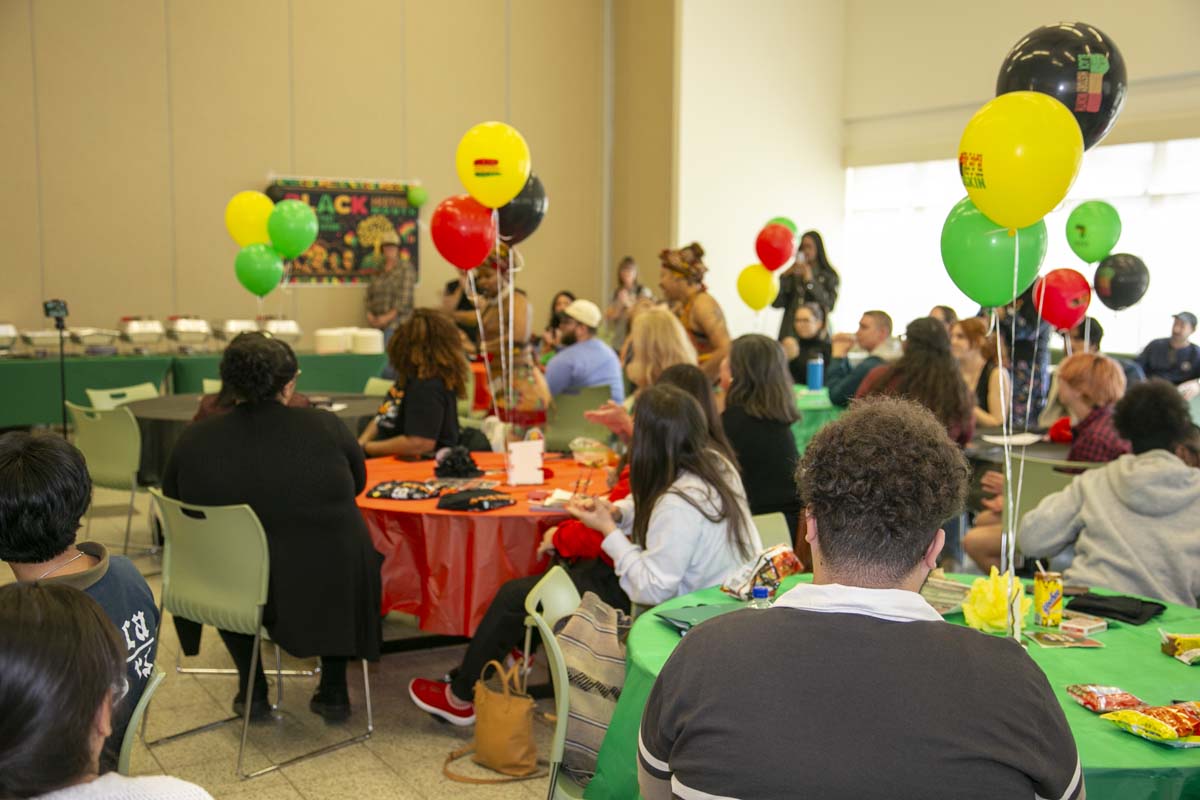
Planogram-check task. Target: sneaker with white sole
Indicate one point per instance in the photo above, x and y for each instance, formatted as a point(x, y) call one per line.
point(432, 696)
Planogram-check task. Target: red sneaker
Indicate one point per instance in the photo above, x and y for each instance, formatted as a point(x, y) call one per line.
point(432, 696)
point(517, 656)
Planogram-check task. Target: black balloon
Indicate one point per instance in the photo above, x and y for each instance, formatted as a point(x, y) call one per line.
point(521, 217)
point(1121, 280)
point(1077, 65)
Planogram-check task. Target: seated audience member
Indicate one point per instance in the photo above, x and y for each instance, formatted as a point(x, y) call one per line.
point(584, 360)
point(760, 408)
point(945, 315)
point(420, 413)
point(928, 374)
point(551, 336)
point(45, 490)
point(876, 484)
point(1089, 385)
point(300, 470)
point(1132, 522)
point(683, 526)
point(1174, 359)
point(63, 684)
point(1085, 338)
point(843, 376)
point(223, 401)
point(811, 340)
point(1026, 338)
point(975, 353)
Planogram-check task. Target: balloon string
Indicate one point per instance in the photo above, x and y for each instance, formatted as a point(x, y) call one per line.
point(512, 314)
point(487, 366)
point(1087, 334)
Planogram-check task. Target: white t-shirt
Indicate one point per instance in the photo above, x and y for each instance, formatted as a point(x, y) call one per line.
point(112, 786)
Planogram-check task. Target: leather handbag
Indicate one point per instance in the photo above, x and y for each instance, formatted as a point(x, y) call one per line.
point(503, 730)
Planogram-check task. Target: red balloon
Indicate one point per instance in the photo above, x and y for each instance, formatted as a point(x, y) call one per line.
point(463, 230)
point(776, 246)
point(1062, 297)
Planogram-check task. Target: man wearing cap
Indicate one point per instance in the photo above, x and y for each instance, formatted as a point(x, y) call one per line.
point(584, 360)
point(1175, 359)
point(390, 296)
point(682, 282)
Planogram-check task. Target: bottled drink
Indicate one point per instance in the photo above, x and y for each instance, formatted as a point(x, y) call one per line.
point(816, 372)
point(761, 597)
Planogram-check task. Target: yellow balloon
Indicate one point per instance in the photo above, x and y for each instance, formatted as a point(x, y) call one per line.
point(246, 218)
point(1018, 156)
point(493, 163)
point(757, 287)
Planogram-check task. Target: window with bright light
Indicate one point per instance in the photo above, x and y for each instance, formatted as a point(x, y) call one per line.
point(890, 256)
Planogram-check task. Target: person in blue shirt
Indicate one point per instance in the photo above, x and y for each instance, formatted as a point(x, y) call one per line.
point(1175, 359)
point(842, 376)
point(584, 360)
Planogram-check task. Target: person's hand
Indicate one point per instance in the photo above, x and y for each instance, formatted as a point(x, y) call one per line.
point(842, 343)
point(596, 514)
point(1190, 389)
point(992, 482)
point(547, 545)
point(612, 416)
point(995, 504)
point(791, 348)
point(804, 271)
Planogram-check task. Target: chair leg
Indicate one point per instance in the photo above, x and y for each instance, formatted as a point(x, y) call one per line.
point(553, 781)
point(249, 697)
point(278, 676)
point(129, 519)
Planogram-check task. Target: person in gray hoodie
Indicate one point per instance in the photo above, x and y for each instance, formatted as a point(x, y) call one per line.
point(1134, 522)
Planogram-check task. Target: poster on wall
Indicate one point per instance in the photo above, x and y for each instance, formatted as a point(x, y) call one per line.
point(354, 216)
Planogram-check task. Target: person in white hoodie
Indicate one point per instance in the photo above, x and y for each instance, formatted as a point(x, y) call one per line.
point(1133, 522)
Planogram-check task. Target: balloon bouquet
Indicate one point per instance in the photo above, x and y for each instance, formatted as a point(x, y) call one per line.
point(268, 233)
point(775, 247)
point(505, 203)
point(1059, 92)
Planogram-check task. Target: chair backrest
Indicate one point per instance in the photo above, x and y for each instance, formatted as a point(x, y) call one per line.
point(551, 599)
point(1043, 477)
point(565, 421)
point(216, 564)
point(105, 399)
point(1194, 407)
point(377, 387)
point(773, 529)
point(111, 442)
point(211, 385)
point(135, 720)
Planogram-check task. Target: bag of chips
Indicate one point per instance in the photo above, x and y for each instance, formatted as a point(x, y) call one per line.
point(1183, 647)
point(769, 569)
point(1103, 698)
point(403, 490)
point(1174, 726)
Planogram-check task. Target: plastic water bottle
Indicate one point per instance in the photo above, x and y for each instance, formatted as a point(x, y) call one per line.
point(816, 372)
point(761, 597)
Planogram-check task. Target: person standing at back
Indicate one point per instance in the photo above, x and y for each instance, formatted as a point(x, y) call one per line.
point(682, 282)
point(389, 297)
point(810, 279)
point(584, 360)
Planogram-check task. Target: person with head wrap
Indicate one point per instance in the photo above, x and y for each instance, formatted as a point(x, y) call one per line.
point(682, 282)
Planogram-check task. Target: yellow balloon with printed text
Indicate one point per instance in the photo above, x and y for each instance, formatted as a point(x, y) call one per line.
point(246, 216)
point(1018, 157)
point(493, 163)
point(756, 286)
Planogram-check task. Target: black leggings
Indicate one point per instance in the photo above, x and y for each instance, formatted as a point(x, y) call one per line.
point(241, 648)
point(503, 626)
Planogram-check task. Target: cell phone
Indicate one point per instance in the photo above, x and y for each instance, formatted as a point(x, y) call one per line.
point(55, 309)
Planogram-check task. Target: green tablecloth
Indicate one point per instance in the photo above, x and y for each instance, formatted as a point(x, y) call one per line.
point(29, 392)
point(338, 372)
point(815, 411)
point(1115, 764)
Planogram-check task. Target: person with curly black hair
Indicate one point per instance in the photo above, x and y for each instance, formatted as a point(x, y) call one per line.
point(300, 469)
point(877, 482)
point(1132, 522)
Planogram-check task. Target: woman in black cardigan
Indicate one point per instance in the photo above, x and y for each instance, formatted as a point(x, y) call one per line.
point(300, 469)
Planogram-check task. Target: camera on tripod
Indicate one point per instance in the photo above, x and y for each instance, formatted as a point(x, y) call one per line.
point(55, 310)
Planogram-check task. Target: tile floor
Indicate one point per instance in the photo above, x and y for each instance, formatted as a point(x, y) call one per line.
point(401, 761)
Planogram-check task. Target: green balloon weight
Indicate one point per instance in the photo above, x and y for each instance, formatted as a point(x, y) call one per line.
point(417, 196)
point(978, 255)
point(292, 227)
point(1093, 230)
point(785, 222)
point(258, 268)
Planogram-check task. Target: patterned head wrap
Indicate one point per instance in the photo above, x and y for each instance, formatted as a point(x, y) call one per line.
point(686, 261)
point(497, 258)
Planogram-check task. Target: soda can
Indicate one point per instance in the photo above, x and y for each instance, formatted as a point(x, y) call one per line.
point(1048, 598)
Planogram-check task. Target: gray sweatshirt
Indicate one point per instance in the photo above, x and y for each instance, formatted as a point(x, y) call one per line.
point(1135, 524)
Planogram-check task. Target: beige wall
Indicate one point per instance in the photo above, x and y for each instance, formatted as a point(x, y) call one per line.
point(131, 122)
point(760, 132)
point(915, 72)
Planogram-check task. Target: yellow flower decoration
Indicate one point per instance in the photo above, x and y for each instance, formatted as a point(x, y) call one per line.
point(986, 605)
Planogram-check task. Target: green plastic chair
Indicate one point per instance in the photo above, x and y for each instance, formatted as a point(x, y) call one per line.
point(210, 385)
point(551, 599)
point(108, 399)
point(1043, 477)
point(377, 387)
point(135, 720)
point(773, 529)
point(111, 442)
point(1194, 408)
point(565, 421)
point(216, 570)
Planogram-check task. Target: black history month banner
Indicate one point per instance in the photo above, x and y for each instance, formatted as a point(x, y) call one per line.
point(353, 216)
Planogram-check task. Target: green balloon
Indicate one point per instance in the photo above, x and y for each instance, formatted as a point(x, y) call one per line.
point(258, 268)
point(1093, 230)
point(978, 255)
point(417, 196)
point(292, 227)
point(785, 222)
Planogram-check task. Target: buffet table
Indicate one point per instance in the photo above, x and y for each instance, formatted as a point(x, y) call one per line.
point(29, 390)
point(335, 372)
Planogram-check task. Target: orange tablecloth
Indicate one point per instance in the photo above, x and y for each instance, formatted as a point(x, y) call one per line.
point(446, 566)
